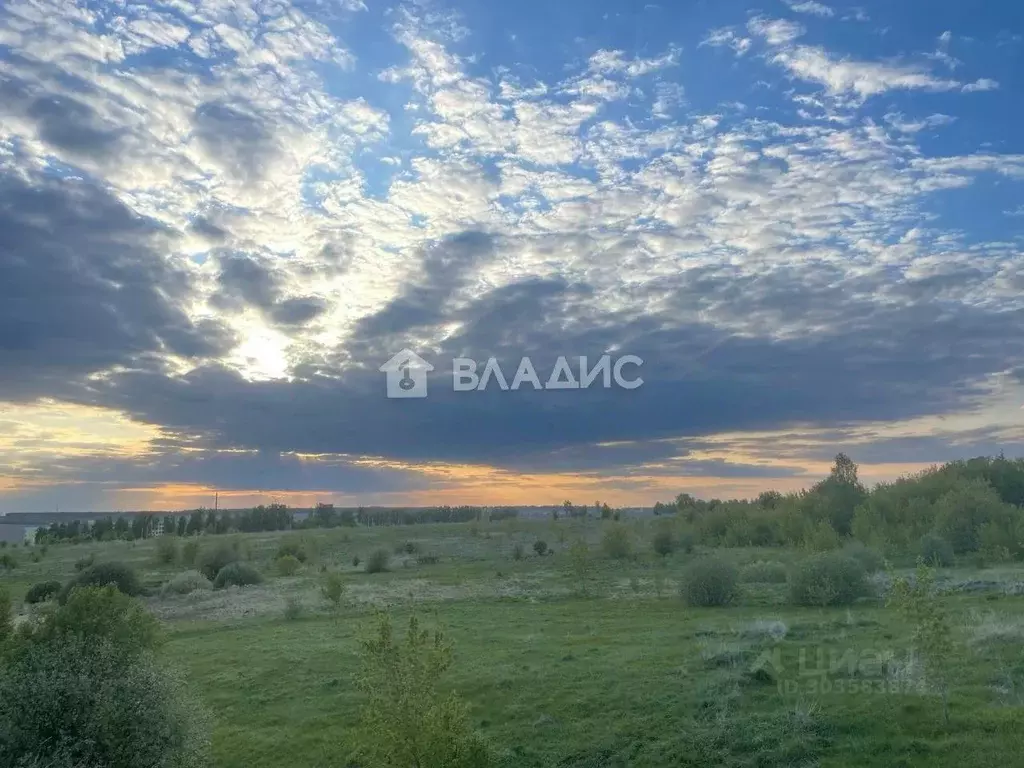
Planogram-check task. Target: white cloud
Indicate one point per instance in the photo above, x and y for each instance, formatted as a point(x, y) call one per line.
point(727, 36)
point(984, 84)
point(901, 124)
point(811, 7)
point(775, 31)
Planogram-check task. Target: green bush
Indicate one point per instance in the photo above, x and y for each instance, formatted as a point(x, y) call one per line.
point(935, 550)
point(43, 591)
point(663, 542)
point(6, 624)
point(166, 550)
point(764, 572)
point(378, 561)
point(686, 541)
point(333, 588)
point(82, 563)
point(616, 542)
point(831, 578)
point(355, 561)
point(8, 562)
point(405, 718)
point(292, 609)
point(408, 548)
point(710, 582)
point(871, 559)
point(83, 691)
point(540, 547)
point(121, 576)
point(293, 548)
point(213, 560)
point(237, 574)
point(287, 565)
point(189, 552)
point(186, 583)
point(517, 551)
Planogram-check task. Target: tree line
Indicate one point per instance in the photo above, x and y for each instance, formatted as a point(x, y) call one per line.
point(270, 517)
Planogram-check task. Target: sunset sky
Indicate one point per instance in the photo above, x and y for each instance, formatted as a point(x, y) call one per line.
point(219, 218)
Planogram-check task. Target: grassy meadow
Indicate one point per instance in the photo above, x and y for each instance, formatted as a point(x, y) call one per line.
point(580, 659)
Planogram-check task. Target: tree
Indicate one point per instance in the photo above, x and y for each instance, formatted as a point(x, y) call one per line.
point(405, 720)
point(838, 496)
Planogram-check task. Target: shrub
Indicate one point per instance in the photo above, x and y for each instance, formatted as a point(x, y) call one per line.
point(355, 561)
point(100, 613)
point(85, 562)
point(166, 550)
point(408, 548)
point(186, 583)
point(870, 559)
point(686, 541)
point(764, 572)
point(214, 559)
point(189, 552)
point(287, 565)
point(119, 575)
point(540, 547)
point(237, 574)
point(333, 588)
point(405, 719)
point(292, 608)
point(517, 551)
point(8, 562)
point(831, 578)
point(663, 542)
point(710, 582)
point(378, 561)
point(6, 624)
point(935, 550)
point(83, 690)
point(292, 548)
point(615, 542)
point(41, 592)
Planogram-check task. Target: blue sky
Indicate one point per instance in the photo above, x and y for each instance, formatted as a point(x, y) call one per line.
point(218, 218)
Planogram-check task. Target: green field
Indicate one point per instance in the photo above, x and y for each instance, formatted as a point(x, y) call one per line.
point(604, 668)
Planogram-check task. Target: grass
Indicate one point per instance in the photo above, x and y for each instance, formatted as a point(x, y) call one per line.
point(620, 677)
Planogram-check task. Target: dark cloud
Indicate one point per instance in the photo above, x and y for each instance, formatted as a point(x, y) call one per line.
point(241, 142)
point(299, 310)
point(84, 286)
point(247, 279)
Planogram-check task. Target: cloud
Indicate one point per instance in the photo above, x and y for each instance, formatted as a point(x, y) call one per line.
point(984, 84)
point(727, 36)
point(811, 7)
point(775, 31)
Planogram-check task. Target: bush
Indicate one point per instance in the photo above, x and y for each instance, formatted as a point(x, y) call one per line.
point(831, 578)
point(687, 541)
point(214, 559)
point(189, 552)
point(8, 562)
point(616, 543)
point(237, 574)
point(710, 582)
point(408, 548)
point(663, 542)
point(935, 550)
point(517, 551)
point(292, 548)
point(763, 572)
point(83, 690)
point(6, 625)
point(85, 562)
point(540, 547)
point(871, 559)
point(41, 592)
point(185, 584)
point(292, 609)
point(378, 561)
point(119, 575)
point(166, 550)
point(355, 561)
point(287, 565)
point(333, 588)
point(405, 718)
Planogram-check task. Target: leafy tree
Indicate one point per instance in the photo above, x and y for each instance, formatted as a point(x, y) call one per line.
point(333, 588)
point(831, 578)
point(615, 541)
point(710, 582)
point(405, 720)
point(933, 629)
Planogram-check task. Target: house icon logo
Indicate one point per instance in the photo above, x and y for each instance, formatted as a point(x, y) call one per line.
point(406, 375)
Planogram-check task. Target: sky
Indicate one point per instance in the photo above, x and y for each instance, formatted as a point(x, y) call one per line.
point(219, 219)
